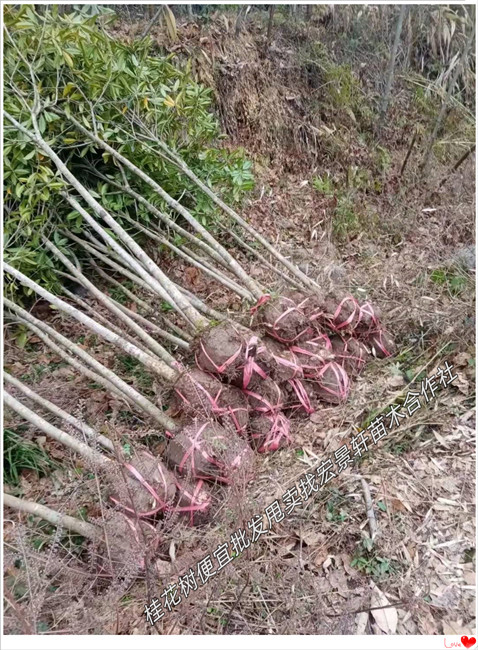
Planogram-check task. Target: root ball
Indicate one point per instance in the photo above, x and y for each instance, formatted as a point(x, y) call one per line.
point(207, 451)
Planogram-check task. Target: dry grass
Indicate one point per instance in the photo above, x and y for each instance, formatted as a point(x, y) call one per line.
point(314, 573)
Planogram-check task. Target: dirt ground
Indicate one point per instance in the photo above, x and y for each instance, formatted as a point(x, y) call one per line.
point(315, 572)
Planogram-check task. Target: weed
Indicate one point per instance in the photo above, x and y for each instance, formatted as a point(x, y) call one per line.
point(21, 454)
point(366, 561)
point(323, 185)
point(334, 511)
point(134, 367)
point(118, 294)
point(345, 221)
point(453, 280)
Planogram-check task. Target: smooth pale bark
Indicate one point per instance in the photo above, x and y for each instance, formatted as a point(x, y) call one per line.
point(200, 306)
point(194, 316)
point(192, 259)
point(182, 335)
point(94, 250)
point(82, 427)
point(100, 318)
point(91, 455)
point(53, 517)
point(161, 288)
point(148, 361)
point(306, 281)
point(253, 287)
point(63, 354)
point(290, 281)
point(160, 332)
point(153, 346)
point(163, 218)
point(106, 376)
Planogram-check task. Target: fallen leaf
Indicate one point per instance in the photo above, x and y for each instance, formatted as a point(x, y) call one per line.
point(386, 617)
point(311, 537)
point(361, 621)
point(454, 628)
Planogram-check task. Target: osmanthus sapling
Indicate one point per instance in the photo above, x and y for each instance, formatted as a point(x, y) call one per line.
point(89, 366)
point(142, 487)
point(119, 544)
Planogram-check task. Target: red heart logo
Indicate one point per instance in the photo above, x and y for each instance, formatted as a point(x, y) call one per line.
point(468, 641)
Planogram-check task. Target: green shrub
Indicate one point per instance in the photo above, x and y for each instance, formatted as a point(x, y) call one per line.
point(109, 86)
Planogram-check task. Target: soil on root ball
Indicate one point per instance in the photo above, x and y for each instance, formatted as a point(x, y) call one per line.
point(195, 392)
point(350, 353)
point(381, 344)
point(269, 432)
point(300, 397)
point(284, 364)
point(144, 487)
point(332, 384)
point(283, 319)
point(222, 349)
point(207, 451)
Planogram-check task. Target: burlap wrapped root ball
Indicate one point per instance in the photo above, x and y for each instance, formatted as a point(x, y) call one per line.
point(381, 344)
point(207, 451)
point(145, 487)
point(350, 353)
point(199, 394)
point(283, 319)
point(332, 384)
point(312, 355)
point(300, 397)
point(195, 394)
point(224, 349)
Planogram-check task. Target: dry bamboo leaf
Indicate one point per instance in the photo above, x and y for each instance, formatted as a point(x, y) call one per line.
point(170, 21)
point(361, 621)
point(386, 617)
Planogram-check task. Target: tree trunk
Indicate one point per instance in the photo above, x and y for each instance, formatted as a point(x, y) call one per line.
point(270, 24)
point(391, 67)
point(83, 428)
point(147, 360)
point(53, 517)
point(192, 314)
point(106, 376)
point(57, 434)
